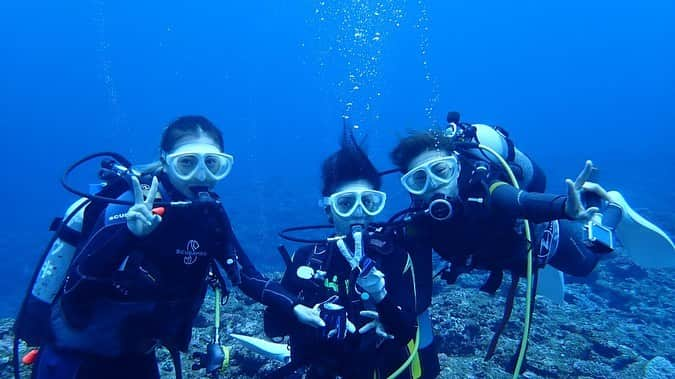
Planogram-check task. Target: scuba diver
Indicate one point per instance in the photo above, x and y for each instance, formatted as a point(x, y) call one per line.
point(471, 191)
point(129, 273)
point(359, 279)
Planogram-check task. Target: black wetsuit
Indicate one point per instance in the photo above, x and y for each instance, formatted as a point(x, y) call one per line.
point(357, 356)
point(125, 294)
point(486, 231)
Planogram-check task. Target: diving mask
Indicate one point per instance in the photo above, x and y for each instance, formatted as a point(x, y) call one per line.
point(431, 175)
point(194, 160)
point(345, 203)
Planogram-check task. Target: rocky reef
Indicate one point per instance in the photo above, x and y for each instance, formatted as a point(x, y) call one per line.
point(617, 323)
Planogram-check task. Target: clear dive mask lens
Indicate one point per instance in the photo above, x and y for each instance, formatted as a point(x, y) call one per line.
point(345, 203)
point(186, 164)
point(439, 171)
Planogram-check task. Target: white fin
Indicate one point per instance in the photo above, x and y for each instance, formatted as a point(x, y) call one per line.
point(644, 242)
point(551, 283)
point(277, 351)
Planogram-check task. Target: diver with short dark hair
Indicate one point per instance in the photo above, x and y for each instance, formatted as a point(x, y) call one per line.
point(471, 189)
point(359, 280)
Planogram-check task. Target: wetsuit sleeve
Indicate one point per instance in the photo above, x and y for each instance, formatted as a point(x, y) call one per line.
point(253, 283)
point(397, 309)
point(533, 206)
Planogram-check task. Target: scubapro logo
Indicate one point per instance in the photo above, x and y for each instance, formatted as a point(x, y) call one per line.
point(116, 217)
point(191, 252)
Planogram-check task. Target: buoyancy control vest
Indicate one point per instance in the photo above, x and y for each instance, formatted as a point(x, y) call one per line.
point(34, 323)
point(124, 295)
point(316, 273)
point(70, 232)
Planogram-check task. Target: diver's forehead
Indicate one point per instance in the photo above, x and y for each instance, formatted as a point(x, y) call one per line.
point(200, 139)
point(425, 157)
point(196, 147)
point(355, 185)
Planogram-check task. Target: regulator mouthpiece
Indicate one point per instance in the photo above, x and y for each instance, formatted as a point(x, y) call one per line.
point(440, 209)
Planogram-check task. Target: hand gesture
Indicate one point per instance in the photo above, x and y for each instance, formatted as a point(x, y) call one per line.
point(309, 316)
point(374, 324)
point(573, 207)
point(140, 219)
point(373, 283)
point(596, 189)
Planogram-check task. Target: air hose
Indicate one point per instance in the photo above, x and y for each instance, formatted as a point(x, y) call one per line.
point(216, 338)
point(528, 237)
point(217, 357)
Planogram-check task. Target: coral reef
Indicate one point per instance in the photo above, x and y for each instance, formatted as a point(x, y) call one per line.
point(617, 323)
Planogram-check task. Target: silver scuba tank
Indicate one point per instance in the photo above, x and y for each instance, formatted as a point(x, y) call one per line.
point(490, 136)
point(55, 266)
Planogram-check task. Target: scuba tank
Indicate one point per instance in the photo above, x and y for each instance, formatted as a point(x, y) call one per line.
point(529, 175)
point(492, 136)
point(33, 320)
point(55, 266)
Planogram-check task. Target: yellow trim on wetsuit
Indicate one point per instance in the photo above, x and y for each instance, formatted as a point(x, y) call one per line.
point(496, 185)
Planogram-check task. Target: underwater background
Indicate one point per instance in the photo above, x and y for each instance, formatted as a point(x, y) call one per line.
point(570, 80)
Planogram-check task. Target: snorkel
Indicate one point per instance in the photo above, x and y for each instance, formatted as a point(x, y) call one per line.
point(352, 224)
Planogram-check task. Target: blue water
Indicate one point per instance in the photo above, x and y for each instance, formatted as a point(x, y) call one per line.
point(571, 80)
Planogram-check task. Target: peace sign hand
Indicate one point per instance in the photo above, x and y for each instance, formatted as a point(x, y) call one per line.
point(573, 207)
point(140, 219)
